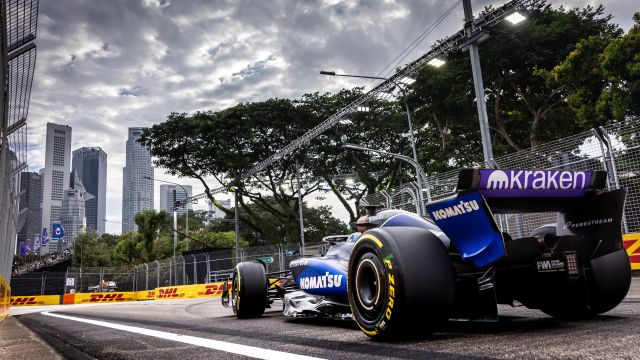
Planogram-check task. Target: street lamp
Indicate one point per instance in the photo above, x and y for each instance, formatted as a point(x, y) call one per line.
point(415, 164)
point(406, 81)
point(175, 214)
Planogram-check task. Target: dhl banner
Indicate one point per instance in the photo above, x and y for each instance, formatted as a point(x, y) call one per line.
point(35, 300)
point(146, 295)
point(5, 296)
point(189, 291)
point(632, 245)
point(105, 297)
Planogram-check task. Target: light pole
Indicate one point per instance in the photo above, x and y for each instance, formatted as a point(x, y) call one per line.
point(408, 80)
point(176, 203)
point(411, 161)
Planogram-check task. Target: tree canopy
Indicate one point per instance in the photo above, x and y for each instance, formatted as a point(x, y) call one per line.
point(562, 71)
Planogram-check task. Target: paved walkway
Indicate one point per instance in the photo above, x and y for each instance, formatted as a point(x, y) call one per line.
point(18, 342)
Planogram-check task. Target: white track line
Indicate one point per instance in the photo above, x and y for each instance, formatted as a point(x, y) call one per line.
point(245, 350)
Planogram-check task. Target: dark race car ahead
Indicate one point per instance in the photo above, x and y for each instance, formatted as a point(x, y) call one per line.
point(415, 273)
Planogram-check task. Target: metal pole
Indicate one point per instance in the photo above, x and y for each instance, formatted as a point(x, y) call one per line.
point(237, 221)
point(487, 150)
point(195, 274)
point(146, 280)
point(300, 209)
point(207, 267)
point(175, 224)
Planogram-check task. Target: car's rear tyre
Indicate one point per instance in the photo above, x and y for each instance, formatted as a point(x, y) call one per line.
point(607, 281)
point(249, 290)
point(400, 281)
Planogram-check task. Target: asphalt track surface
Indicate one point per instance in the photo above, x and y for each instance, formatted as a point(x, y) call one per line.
point(520, 334)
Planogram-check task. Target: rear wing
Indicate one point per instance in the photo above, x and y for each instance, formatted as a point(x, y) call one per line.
point(583, 208)
point(522, 191)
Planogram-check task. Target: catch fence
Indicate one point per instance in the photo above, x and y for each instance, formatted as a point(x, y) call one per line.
point(614, 148)
point(194, 268)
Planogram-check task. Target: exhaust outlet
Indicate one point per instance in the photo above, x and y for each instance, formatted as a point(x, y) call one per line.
point(547, 242)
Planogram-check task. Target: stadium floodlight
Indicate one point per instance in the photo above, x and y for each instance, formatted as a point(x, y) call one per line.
point(515, 18)
point(345, 121)
point(407, 80)
point(435, 62)
point(348, 181)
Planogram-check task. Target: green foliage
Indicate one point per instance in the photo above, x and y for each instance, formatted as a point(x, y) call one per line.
point(150, 222)
point(91, 251)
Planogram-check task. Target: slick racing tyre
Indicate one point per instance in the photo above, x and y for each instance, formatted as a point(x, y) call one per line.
point(249, 290)
point(607, 281)
point(400, 281)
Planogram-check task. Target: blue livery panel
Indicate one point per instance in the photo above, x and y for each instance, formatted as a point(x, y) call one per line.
point(467, 221)
point(320, 276)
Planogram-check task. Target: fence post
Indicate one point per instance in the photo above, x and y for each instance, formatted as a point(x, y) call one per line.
point(43, 282)
point(146, 277)
point(158, 272)
point(101, 278)
point(170, 272)
point(195, 274)
point(208, 268)
point(184, 271)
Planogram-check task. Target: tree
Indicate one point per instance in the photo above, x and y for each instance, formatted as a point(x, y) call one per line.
point(89, 251)
point(150, 223)
point(525, 105)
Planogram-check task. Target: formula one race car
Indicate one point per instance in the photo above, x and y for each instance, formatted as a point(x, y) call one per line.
point(414, 273)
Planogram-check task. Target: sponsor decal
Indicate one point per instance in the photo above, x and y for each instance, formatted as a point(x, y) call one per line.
point(214, 289)
point(325, 281)
point(19, 301)
point(468, 223)
point(632, 246)
point(34, 300)
point(571, 225)
point(462, 208)
point(106, 297)
point(551, 265)
point(168, 293)
point(496, 183)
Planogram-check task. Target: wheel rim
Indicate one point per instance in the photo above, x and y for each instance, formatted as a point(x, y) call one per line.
point(234, 291)
point(369, 286)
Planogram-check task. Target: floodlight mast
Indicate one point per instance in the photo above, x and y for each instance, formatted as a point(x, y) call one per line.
point(449, 44)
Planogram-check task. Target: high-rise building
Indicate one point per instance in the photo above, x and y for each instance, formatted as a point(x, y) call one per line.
point(137, 181)
point(57, 164)
point(166, 197)
point(215, 213)
point(30, 218)
point(73, 216)
point(90, 164)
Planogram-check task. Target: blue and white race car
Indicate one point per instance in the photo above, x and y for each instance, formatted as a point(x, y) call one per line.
point(416, 273)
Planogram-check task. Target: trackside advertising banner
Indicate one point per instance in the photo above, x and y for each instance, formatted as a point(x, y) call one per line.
point(5, 296)
point(632, 245)
point(106, 297)
point(35, 300)
point(189, 291)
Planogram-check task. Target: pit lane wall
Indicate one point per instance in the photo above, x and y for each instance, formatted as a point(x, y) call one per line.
point(163, 293)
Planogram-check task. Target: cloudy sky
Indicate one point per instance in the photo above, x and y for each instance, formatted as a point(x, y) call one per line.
point(104, 66)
